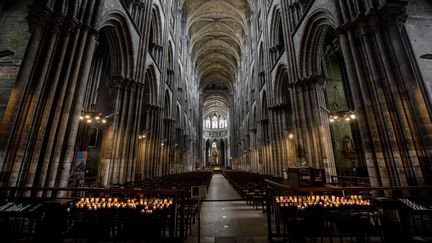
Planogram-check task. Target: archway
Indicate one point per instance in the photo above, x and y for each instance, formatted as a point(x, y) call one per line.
point(112, 65)
point(207, 153)
point(329, 129)
point(222, 153)
point(277, 41)
point(343, 125)
point(284, 122)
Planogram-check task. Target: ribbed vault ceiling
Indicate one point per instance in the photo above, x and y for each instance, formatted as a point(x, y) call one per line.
point(216, 103)
point(216, 30)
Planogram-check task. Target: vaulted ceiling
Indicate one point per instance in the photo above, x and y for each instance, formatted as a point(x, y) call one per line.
point(216, 30)
point(216, 104)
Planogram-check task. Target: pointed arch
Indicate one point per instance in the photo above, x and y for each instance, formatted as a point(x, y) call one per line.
point(222, 149)
point(264, 107)
point(170, 56)
point(261, 57)
point(313, 41)
point(261, 66)
point(170, 66)
point(281, 86)
point(277, 37)
point(156, 25)
point(116, 28)
point(178, 116)
point(167, 115)
point(150, 86)
point(167, 104)
point(155, 43)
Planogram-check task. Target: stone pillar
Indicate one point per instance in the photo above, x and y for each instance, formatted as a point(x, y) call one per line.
point(106, 169)
point(9, 122)
point(46, 139)
point(368, 130)
point(89, 36)
point(324, 137)
point(382, 111)
point(28, 121)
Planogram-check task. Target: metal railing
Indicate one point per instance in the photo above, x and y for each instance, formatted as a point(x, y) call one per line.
point(286, 223)
point(55, 208)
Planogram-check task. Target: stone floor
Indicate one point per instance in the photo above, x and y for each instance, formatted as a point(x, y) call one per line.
point(229, 221)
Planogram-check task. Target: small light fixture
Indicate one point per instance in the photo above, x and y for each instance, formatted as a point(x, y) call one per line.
point(342, 115)
point(291, 136)
point(143, 134)
point(91, 116)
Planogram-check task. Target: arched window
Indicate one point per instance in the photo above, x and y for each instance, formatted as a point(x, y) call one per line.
point(264, 116)
point(214, 122)
point(261, 68)
point(207, 122)
point(167, 115)
point(222, 122)
point(338, 93)
point(155, 42)
point(170, 69)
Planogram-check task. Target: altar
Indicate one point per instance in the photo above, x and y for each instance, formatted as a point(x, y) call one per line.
point(216, 168)
point(214, 157)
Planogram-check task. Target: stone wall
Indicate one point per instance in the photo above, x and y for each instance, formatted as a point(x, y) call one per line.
point(419, 28)
point(15, 35)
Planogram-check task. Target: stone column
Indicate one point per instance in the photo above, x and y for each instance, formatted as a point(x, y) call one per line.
point(27, 124)
point(108, 141)
point(74, 119)
point(324, 136)
point(46, 139)
point(85, 50)
point(409, 85)
point(9, 122)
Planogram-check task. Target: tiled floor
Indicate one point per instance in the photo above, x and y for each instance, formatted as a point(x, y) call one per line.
point(229, 222)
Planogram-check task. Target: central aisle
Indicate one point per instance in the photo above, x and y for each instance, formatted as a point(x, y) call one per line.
point(229, 222)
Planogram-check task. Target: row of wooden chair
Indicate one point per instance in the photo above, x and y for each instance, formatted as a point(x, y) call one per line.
point(182, 181)
point(250, 186)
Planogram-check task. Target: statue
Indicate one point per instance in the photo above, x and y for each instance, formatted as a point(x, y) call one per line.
point(347, 145)
point(214, 156)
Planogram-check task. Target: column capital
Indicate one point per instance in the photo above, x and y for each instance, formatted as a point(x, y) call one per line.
point(55, 23)
point(70, 24)
point(116, 82)
point(152, 108)
point(90, 29)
